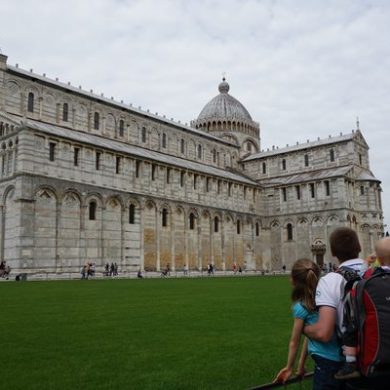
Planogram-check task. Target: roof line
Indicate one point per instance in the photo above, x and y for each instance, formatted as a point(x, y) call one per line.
point(308, 145)
point(130, 108)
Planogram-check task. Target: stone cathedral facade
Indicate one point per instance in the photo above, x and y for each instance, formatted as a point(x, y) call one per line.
point(85, 178)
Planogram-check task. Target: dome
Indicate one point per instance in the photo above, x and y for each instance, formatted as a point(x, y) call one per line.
point(224, 106)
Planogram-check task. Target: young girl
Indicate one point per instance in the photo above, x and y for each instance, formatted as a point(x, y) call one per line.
point(327, 356)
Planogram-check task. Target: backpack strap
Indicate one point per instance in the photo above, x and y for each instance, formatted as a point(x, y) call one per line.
point(350, 276)
point(347, 273)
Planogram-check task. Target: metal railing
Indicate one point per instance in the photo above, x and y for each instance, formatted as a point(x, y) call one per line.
point(294, 379)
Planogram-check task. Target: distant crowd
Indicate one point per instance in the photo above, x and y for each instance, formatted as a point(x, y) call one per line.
point(210, 269)
point(88, 270)
point(111, 270)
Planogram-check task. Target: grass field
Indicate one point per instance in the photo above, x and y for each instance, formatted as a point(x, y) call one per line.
point(206, 333)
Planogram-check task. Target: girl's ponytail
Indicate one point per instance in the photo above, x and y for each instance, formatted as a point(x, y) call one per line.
point(305, 275)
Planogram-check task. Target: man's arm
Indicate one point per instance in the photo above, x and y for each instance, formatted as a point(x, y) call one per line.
point(324, 328)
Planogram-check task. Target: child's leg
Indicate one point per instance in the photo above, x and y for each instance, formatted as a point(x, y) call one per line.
point(350, 341)
point(350, 353)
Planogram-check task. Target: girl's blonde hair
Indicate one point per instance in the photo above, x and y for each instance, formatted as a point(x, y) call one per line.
point(305, 274)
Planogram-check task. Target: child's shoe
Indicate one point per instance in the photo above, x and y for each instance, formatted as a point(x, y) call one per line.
point(348, 371)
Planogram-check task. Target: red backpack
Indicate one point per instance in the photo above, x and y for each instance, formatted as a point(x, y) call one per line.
point(367, 304)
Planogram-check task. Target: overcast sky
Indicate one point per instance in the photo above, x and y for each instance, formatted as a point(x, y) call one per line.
point(303, 69)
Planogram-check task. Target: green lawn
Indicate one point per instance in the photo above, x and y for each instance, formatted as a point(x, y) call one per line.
point(206, 333)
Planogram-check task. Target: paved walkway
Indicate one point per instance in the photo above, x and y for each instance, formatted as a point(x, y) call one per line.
point(146, 275)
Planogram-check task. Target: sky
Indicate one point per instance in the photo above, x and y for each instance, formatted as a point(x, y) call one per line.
point(303, 68)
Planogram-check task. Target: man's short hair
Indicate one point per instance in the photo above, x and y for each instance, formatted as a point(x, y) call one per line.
point(344, 244)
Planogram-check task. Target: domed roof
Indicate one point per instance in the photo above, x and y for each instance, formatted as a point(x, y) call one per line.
point(224, 106)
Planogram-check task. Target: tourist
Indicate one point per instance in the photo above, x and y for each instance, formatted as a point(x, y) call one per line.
point(88, 270)
point(83, 272)
point(5, 270)
point(345, 246)
point(304, 278)
point(185, 269)
point(93, 269)
point(112, 269)
point(380, 262)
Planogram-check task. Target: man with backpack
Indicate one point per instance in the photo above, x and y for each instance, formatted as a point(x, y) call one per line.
point(367, 320)
point(345, 247)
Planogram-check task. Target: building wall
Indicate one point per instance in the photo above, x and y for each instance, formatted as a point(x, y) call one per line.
point(49, 107)
point(47, 228)
point(182, 216)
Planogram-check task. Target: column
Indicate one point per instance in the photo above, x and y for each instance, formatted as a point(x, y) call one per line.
point(158, 224)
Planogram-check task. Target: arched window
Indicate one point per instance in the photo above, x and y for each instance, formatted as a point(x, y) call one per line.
point(238, 226)
point(168, 175)
point(117, 165)
point(298, 191)
point(143, 134)
point(214, 156)
point(312, 190)
point(284, 194)
point(121, 128)
point(76, 156)
point(164, 217)
point(289, 232)
point(192, 221)
point(327, 187)
point(164, 140)
point(216, 225)
point(284, 164)
point(331, 155)
point(30, 102)
point(132, 214)
point(96, 121)
point(199, 151)
point(257, 229)
point(92, 210)
point(52, 149)
point(182, 178)
point(65, 112)
point(182, 146)
point(97, 161)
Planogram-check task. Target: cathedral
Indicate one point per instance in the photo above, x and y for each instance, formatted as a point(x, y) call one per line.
point(85, 178)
